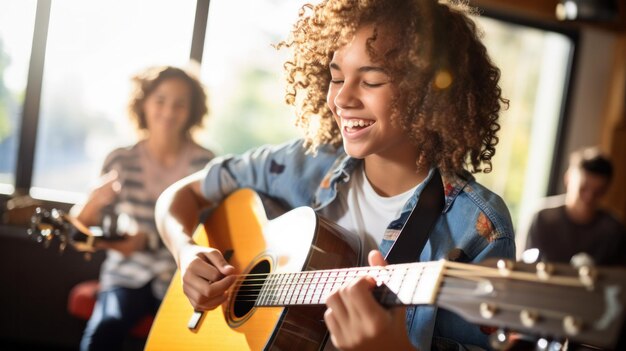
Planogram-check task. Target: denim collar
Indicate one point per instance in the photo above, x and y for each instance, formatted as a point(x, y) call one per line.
point(344, 165)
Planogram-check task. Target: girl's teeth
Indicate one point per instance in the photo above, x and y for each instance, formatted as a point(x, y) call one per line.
point(359, 123)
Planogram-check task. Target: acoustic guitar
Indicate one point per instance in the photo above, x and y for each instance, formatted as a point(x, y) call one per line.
point(290, 264)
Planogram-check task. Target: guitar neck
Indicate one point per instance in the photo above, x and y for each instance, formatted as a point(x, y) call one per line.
point(403, 284)
point(417, 283)
point(503, 295)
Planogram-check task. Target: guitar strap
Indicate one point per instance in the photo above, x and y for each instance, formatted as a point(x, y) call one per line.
point(413, 236)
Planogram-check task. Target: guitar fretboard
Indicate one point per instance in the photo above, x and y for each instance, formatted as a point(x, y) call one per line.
point(404, 284)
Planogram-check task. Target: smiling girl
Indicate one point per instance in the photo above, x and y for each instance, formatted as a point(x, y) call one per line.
point(387, 92)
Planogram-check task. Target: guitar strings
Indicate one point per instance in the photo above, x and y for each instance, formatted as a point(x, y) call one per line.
point(318, 286)
point(463, 270)
point(313, 286)
point(345, 272)
point(316, 277)
point(290, 286)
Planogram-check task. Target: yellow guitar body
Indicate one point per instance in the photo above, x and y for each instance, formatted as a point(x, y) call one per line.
point(240, 229)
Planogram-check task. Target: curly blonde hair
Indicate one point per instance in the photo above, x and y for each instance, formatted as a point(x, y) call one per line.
point(146, 82)
point(448, 98)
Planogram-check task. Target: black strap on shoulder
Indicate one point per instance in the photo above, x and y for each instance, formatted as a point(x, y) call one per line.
point(413, 236)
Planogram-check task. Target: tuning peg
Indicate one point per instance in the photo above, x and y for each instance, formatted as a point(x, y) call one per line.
point(43, 213)
point(56, 214)
point(586, 269)
point(505, 267)
point(542, 344)
point(38, 212)
point(500, 340)
point(545, 345)
point(587, 275)
point(530, 256)
point(556, 346)
point(572, 325)
point(582, 259)
point(529, 318)
point(544, 270)
point(488, 310)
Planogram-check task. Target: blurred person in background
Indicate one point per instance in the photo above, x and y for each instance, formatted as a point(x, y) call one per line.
point(574, 224)
point(166, 104)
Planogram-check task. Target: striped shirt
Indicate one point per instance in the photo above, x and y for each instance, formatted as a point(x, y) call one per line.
point(142, 180)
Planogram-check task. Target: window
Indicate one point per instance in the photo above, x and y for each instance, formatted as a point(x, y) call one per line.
point(245, 79)
point(93, 49)
point(534, 64)
point(17, 21)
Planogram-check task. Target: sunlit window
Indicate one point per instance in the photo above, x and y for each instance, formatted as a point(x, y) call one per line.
point(534, 65)
point(93, 49)
point(245, 73)
point(17, 21)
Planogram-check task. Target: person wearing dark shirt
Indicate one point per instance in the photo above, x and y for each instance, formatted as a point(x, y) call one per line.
point(574, 224)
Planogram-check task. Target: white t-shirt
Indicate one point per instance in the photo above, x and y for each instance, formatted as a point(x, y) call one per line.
point(370, 213)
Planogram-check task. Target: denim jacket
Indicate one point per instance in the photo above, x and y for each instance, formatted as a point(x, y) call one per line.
point(474, 219)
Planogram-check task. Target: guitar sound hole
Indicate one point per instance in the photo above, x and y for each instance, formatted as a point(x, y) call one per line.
point(250, 288)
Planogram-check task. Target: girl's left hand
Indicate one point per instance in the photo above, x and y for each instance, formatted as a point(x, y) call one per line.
point(356, 321)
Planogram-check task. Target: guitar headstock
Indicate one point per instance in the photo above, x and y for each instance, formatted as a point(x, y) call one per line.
point(585, 304)
point(49, 225)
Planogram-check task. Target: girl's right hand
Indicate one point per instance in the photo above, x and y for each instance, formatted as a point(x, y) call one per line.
point(206, 276)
